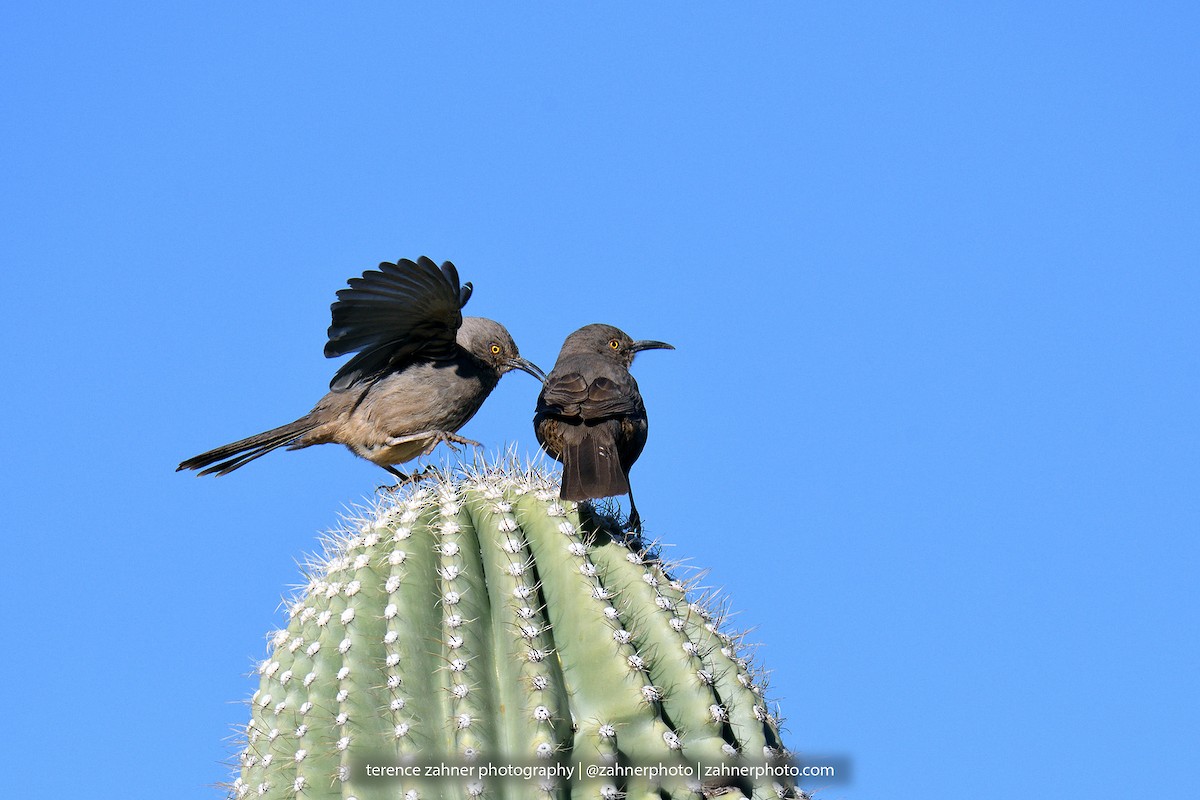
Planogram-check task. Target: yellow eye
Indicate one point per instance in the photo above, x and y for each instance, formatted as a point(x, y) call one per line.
point(615, 344)
point(495, 349)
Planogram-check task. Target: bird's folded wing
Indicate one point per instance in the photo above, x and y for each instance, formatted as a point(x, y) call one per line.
point(394, 314)
point(572, 395)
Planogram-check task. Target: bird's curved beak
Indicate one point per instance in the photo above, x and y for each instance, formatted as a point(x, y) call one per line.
point(525, 365)
point(648, 344)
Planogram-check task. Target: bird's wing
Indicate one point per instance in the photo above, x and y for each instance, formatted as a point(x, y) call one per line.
point(394, 314)
point(562, 393)
point(570, 394)
point(609, 397)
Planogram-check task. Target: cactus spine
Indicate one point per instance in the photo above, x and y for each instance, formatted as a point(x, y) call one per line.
point(481, 621)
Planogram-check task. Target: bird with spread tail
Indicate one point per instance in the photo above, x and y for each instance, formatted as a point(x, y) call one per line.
point(590, 416)
point(420, 371)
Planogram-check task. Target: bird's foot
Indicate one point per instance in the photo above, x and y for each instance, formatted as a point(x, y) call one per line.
point(434, 438)
point(404, 479)
point(450, 440)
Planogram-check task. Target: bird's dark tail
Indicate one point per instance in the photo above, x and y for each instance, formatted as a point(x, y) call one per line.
point(592, 467)
point(229, 457)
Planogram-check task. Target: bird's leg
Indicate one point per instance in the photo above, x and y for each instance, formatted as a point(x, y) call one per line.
point(449, 438)
point(403, 478)
point(452, 439)
point(635, 519)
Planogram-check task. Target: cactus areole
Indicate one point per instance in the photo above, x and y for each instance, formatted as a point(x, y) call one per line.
point(479, 637)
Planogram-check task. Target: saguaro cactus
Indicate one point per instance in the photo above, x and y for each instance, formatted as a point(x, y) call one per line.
point(479, 637)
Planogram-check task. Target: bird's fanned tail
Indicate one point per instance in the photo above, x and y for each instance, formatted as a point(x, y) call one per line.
point(227, 458)
point(592, 467)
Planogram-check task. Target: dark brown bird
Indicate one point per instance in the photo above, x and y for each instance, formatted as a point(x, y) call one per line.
point(590, 415)
point(420, 372)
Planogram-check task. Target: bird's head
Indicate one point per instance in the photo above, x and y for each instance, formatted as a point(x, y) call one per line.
point(491, 343)
point(610, 342)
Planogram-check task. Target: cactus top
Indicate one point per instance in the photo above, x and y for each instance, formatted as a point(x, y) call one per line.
point(479, 637)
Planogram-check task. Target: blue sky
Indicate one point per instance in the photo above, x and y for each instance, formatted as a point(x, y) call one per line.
point(931, 271)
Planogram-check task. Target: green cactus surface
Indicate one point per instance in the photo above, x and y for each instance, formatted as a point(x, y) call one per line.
point(475, 636)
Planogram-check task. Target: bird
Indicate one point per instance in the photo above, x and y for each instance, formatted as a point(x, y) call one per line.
point(590, 416)
point(420, 371)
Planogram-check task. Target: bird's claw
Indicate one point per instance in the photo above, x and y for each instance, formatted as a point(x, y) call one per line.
point(450, 440)
point(404, 479)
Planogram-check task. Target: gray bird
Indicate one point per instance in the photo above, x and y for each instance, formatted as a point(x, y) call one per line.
point(420, 372)
point(590, 415)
